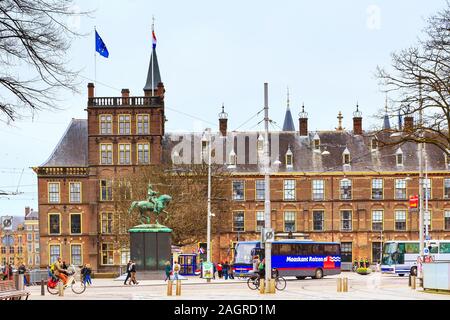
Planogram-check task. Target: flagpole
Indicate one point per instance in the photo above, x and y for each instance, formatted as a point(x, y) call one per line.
point(153, 48)
point(95, 59)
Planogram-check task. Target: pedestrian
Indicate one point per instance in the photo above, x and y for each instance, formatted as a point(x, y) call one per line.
point(133, 273)
point(86, 272)
point(220, 270)
point(230, 272)
point(262, 269)
point(256, 263)
point(22, 270)
point(225, 270)
point(214, 271)
point(128, 272)
point(10, 272)
point(167, 270)
point(201, 268)
point(176, 270)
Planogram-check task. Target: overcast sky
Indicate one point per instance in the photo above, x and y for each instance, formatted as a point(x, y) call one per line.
point(213, 52)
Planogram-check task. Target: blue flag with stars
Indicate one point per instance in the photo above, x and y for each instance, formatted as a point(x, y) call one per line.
point(100, 46)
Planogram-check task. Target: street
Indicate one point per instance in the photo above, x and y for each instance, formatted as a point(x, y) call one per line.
point(370, 287)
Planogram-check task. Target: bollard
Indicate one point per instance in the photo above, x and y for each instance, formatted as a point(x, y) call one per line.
point(345, 285)
point(178, 289)
point(272, 286)
point(42, 288)
point(421, 282)
point(413, 282)
point(19, 285)
point(60, 288)
point(169, 287)
point(409, 280)
point(339, 285)
point(262, 288)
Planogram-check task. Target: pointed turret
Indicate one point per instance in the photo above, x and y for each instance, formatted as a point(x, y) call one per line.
point(153, 85)
point(288, 124)
point(386, 123)
point(156, 74)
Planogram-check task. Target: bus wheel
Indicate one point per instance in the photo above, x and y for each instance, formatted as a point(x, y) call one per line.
point(413, 271)
point(300, 277)
point(401, 274)
point(318, 274)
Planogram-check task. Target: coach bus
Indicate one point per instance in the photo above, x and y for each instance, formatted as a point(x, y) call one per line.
point(401, 257)
point(299, 258)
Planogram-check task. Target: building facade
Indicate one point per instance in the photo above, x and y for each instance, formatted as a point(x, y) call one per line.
point(13, 243)
point(31, 228)
point(327, 185)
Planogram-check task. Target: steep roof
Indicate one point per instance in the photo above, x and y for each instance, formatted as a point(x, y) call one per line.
point(156, 74)
point(288, 124)
point(307, 159)
point(32, 215)
point(72, 149)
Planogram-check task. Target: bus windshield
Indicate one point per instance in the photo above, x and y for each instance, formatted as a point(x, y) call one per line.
point(244, 253)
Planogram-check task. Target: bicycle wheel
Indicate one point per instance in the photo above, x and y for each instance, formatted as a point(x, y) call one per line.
point(78, 287)
point(53, 291)
point(280, 283)
point(253, 283)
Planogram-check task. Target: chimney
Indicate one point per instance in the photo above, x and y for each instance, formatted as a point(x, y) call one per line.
point(357, 121)
point(125, 96)
point(408, 123)
point(223, 121)
point(303, 122)
point(90, 90)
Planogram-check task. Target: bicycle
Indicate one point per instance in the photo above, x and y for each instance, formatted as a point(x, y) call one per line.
point(77, 287)
point(253, 282)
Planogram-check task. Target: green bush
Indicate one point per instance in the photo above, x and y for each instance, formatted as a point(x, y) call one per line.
point(363, 270)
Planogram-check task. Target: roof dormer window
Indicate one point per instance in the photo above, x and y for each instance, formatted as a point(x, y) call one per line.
point(316, 142)
point(374, 144)
point(399, 157)
point(346, 157)
point(289, 158)
point(260, 143)
point(232, 159)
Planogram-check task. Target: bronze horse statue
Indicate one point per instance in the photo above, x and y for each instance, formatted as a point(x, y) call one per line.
point(157, 207)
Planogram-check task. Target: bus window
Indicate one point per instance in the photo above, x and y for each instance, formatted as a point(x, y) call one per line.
point(412, 247)
point(331, 249)
point(286, 249)
point(305, 249)
point(317, 249)
point(444, 247)
point(275, 249)
point(401, 247)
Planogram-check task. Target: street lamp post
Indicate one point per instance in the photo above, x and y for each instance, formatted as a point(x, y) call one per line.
point(208, 227)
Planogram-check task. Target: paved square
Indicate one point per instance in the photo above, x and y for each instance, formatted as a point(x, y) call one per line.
point(370, 287)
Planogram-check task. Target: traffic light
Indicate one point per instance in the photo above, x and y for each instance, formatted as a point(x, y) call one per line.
point(201, 250)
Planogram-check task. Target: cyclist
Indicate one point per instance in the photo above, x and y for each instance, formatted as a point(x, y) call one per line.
point(59, 271)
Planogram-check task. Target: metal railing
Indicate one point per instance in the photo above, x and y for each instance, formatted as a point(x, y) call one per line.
point(123, 101)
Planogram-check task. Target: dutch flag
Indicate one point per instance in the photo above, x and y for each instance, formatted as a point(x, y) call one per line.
point(153, 39)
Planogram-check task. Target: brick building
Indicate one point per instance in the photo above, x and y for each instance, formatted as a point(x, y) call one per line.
point(329, 185)
point(13, 243)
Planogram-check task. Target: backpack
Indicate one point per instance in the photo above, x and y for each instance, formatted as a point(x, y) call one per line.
point(176, 267)
point(53, 267)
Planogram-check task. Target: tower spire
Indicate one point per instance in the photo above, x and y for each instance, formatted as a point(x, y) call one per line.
point(153, 75)
point(386, 123)
point(288, 124)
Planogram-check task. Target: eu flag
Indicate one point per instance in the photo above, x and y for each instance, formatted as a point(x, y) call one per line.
point(100, 46)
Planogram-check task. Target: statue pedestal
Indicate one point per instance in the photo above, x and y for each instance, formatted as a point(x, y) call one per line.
point(150, 249)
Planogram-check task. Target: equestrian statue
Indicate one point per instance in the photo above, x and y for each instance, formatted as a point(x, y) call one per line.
point(153, 204)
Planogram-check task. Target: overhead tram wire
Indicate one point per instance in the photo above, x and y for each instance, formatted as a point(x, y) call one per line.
point(251, 118)
point(168, 108)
